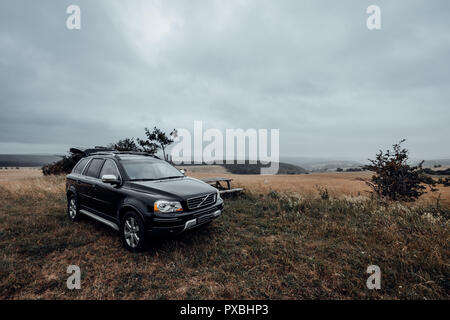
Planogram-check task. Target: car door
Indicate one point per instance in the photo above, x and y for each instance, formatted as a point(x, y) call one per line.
point(79, 182)
point(108, 196)
point(91, 182)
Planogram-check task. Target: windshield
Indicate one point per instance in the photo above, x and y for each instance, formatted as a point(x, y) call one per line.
point(150, 170)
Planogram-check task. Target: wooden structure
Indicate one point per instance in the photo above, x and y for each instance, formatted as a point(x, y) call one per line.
point(222, 184)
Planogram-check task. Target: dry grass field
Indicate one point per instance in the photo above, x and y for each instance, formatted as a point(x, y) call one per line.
point(337, 183)
point(289, 244)
point(13, 174)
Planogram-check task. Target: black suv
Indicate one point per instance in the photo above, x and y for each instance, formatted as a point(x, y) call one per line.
point(139, 195)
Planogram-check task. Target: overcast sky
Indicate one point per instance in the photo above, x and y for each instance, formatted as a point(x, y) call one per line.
point(310, 68)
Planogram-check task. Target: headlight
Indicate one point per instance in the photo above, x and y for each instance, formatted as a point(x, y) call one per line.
point(218, 196)
point(167, 206)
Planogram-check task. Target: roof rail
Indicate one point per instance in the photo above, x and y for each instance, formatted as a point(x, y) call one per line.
point(88, 151)
point(138, 153)
point(102, 153)
point(118, 153)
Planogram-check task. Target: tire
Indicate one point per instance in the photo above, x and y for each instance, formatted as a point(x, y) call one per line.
point(132, 232)
point(73, 209)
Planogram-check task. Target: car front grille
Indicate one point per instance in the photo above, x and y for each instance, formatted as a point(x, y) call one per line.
point(202, 201)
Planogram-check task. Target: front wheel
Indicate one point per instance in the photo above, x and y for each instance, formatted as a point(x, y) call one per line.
point(72, 208)
point(132, 232)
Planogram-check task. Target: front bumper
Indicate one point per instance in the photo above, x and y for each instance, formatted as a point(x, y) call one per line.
point(190, 220)
point(201, 220)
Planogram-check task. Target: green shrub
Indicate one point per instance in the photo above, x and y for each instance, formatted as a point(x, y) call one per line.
point(395, 179)
point(63, 166)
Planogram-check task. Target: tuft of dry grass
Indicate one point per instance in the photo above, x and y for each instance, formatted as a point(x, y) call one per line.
point(274, 245)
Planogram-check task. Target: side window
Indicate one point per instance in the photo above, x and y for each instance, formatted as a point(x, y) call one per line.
point(94, 168)
point(80, 166)
point(109, 168)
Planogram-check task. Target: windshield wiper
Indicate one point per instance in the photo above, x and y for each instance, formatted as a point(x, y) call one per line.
point(172, 177)
point(153, 179)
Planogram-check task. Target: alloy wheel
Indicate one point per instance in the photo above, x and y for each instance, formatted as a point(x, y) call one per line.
point(72, 209)
point(131, 232)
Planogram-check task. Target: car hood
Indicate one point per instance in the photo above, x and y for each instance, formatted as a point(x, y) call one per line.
point(184, 188)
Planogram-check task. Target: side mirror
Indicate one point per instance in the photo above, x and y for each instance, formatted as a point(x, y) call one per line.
point(182, 171)
point(110, 178)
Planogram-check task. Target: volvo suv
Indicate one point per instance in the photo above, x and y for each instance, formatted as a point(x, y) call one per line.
point(139, 195)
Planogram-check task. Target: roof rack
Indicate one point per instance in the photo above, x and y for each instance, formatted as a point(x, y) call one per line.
point(137, 153)
point(102, 153)
point(88, 151)
point(118, 153)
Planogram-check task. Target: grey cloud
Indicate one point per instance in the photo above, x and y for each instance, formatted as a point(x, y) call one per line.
point(309, 68)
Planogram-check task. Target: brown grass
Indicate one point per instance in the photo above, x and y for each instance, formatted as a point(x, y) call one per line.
point(337, 184)
point(274, 246)
point(17, 174)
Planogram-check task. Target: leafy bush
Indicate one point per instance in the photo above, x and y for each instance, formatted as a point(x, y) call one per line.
point(394, 178)
point(66, 164)
point(126, 144)
point(354, 169)
point(63, 166)
point(156, 140)
point(445, 181)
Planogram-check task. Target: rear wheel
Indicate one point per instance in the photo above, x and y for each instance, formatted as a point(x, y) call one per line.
point(72, 208)
point(132, 232)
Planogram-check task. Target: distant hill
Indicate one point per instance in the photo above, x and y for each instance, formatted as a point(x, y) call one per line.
point(332, 165)
point(444, 172)
point(26, 160)
point(320, 165)
point(284, 168)
point(431, 163)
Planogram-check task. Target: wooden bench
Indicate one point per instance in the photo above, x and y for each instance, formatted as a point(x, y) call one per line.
point(222, 184)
